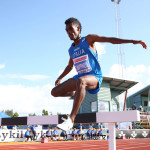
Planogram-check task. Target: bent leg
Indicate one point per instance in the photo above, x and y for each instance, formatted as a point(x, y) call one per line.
point(88, 82)
point(64, 89)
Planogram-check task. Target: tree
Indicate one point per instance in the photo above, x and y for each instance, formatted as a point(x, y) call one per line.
point(9, 112)
point(32, 114)
point(15, 114)
point(44, 112)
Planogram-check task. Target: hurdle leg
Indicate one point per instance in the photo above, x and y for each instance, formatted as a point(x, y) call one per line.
point(112, 136)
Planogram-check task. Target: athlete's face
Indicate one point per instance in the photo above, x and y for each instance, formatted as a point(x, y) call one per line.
point(73, 31)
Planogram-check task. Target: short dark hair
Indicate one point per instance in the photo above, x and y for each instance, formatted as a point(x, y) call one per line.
point(74, 21)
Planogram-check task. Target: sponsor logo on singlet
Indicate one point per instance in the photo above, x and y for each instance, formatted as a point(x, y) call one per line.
point(76, 48)
point(82, 64)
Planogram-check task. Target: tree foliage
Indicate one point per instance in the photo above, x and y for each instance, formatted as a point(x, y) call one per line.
point(11, 113)
point(32, 114)
point(44, 112)
point(15, 114)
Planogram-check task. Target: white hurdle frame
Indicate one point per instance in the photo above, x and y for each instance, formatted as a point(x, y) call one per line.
point(113, 117)
point(101, 117)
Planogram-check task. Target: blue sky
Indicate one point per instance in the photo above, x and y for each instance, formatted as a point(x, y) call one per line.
point(34, 47)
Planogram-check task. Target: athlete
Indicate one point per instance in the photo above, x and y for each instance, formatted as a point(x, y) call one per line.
point(83, 56)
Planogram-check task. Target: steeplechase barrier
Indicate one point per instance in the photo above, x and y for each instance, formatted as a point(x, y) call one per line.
point(100, 117)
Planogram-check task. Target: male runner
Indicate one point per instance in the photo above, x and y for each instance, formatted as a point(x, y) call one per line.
point(83, 56)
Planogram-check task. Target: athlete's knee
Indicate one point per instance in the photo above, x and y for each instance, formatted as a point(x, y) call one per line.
point(54, 92)
point(81, 82)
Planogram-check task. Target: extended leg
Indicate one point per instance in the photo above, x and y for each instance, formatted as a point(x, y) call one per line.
point(86, 82)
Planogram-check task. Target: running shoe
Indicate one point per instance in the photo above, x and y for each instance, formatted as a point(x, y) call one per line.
point(66, 125)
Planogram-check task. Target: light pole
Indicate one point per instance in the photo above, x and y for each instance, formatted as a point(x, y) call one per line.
point(120, 51)
point(120, 63)
point(117, 1)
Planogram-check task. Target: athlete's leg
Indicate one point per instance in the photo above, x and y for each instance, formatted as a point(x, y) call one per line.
point(80, 85)
point(65, 89)
point(88, 82)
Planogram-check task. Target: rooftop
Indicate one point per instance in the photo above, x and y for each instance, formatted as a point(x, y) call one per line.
point(120, 85)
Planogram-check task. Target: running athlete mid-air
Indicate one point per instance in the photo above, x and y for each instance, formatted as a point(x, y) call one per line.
point(83, 56)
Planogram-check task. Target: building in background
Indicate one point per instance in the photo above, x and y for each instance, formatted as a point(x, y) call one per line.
point(107, 99)
point(141, 99)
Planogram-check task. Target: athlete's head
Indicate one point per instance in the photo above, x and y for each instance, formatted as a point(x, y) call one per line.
point(73, 28)
point(74, 21)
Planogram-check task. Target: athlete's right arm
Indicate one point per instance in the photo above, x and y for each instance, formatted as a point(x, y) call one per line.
point(65, 72)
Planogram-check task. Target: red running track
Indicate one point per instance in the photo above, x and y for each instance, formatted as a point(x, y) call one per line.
point(129, 144)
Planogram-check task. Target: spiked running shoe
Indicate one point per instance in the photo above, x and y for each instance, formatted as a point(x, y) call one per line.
point(66, 125)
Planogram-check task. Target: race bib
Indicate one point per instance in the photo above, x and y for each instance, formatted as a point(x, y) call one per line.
point(82, 64)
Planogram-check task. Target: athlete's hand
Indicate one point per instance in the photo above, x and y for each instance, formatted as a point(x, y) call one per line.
point(140, 42)
point(57, 82)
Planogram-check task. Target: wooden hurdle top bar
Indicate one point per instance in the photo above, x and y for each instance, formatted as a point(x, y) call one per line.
point(99, 117)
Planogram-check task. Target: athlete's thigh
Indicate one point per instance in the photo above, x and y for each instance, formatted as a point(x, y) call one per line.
point(91, 82)
point(66, 86)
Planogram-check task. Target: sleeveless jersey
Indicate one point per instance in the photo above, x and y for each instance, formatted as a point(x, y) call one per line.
point(85, 60)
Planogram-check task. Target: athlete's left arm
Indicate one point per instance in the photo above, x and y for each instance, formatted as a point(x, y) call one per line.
point(92, 38)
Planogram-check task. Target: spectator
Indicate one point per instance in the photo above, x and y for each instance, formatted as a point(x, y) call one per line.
point(91, 126)
point(133, 107)
point(141, 109)
point(117, 127)
point(100, 132)
point(15, 127)
point(89, 133)
point(4, 127)
point(64, 135)
point(80, 126)
point(97, 133)
point(93, 133)
point(33, 129)
point(31, 133)
point(28, 135)
point(80, 134)
point(55, 134)
point(49, 134)
point(129, 127)
point(74, 134)
point(101, 126)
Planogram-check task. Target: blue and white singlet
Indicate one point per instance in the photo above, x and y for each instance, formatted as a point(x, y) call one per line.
point(86, 62)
